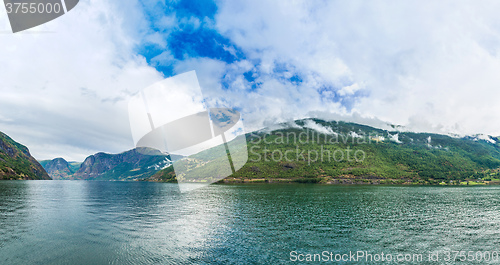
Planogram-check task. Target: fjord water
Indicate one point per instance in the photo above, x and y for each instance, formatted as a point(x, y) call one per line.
point(78, 222)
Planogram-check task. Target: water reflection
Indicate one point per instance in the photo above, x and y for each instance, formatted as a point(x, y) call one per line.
point(14, 211)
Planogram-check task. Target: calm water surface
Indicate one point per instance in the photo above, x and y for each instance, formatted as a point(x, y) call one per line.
point(77, 222)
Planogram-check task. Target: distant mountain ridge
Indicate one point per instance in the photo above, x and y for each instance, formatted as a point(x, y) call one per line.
point(389, 156)
point(16, 161)
point(134, 164)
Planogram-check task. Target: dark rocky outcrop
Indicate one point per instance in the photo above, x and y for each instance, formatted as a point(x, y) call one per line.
point(16, 161)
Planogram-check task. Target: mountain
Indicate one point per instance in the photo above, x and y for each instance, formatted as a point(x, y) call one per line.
point(74, 166)
point(164, 175)
point(317, 151)
point(59, 168)
point(16, 161)
point(130, 165)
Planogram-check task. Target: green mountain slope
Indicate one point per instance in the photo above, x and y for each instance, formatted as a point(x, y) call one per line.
point(339, 152)
point(59, 168)
point(16, 161)
point(74, 166)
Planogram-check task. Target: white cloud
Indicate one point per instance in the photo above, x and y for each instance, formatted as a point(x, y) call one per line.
point(431, 66)
point(318, 127)
point(274, 101)
point(394, 138)
point(64, 92)
point(485, 138)
point(436, 62)
point(349, 90)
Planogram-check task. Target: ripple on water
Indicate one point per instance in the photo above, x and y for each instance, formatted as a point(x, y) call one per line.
point(76, 222)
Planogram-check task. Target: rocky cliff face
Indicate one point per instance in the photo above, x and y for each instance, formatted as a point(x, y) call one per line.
point(134, 164)
point(16, 161)
point(57, 168)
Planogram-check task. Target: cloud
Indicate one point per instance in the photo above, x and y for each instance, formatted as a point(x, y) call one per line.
point(61, 91)
point(318, 127)
point(429, 66)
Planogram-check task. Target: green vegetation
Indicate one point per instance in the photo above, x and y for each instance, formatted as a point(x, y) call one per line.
point(74, 166)
point(16, 161)
point(165, 175)
point(356, 154)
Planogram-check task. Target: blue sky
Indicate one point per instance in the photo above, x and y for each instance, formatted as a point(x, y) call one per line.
point(193, 34)
point(427, 66)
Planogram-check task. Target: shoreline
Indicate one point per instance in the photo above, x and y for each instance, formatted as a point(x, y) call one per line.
point(340, 182)
point(388, 182)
